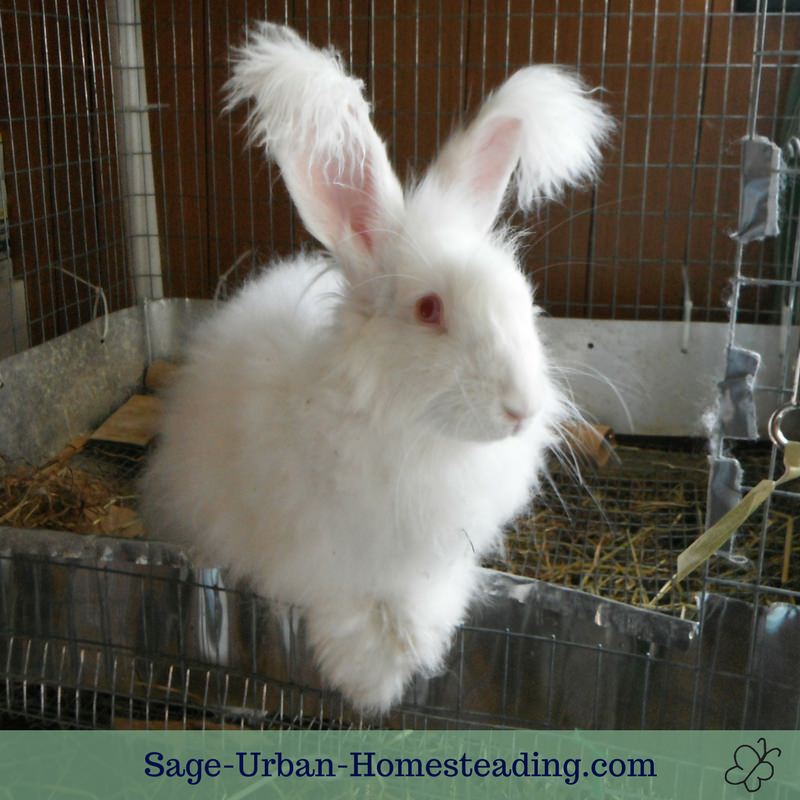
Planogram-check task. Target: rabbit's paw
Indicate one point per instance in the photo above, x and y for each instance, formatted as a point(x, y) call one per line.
point(370, 651)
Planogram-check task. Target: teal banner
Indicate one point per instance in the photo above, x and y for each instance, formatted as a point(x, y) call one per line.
point(674, 765)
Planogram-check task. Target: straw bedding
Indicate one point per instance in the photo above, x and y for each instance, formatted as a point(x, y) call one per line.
point(616, 532)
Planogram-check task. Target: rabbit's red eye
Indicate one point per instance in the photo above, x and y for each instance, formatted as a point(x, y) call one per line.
point(429, 309)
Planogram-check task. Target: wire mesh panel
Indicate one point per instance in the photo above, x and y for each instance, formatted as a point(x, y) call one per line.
point(123, 181)
point(129, 635)
point(651, 241)
point(616, 531)
point(116, 104)
point(64, 261)
point(760, 562)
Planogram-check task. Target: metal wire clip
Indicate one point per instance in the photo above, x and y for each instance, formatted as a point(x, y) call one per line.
point(776, 435)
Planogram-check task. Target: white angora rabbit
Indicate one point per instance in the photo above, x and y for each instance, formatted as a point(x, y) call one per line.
point(353, 429)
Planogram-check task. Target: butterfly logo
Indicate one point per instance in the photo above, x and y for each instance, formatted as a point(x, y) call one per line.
point(750, 767)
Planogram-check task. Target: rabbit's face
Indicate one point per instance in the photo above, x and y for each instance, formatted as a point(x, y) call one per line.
point(459, 340)
point(439, 323)
point(499, 377)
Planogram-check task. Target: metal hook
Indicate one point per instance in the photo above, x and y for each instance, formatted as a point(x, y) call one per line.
point(774, 424)
point(776, 435)
point(792, 147)
point(100, 297)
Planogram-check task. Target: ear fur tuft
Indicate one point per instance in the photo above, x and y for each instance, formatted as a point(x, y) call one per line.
point(302, 97)
point(312, 118)
point(563, 131)
point(541, 131)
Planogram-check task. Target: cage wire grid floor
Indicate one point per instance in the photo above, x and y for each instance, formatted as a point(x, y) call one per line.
point(616, 531)
point(612, 531)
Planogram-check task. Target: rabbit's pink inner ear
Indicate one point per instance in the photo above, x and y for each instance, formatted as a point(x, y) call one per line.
point(495, 157)
point(354, 197)
point(339, 205)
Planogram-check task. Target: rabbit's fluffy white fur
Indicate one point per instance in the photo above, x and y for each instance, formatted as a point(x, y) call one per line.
point(328, 440)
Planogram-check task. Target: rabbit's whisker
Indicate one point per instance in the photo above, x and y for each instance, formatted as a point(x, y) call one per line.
point(571, 218)
point(595, 374)
point(554, 486)
point(555, 265)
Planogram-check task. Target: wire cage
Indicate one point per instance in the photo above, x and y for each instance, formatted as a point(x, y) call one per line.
point(124, 191)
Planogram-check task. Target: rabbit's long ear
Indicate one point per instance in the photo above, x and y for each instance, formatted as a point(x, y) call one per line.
point(541, 130)
point(313, 120)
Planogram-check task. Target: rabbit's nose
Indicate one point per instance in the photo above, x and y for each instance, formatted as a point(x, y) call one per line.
point(517, 403)
point(514, 415)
